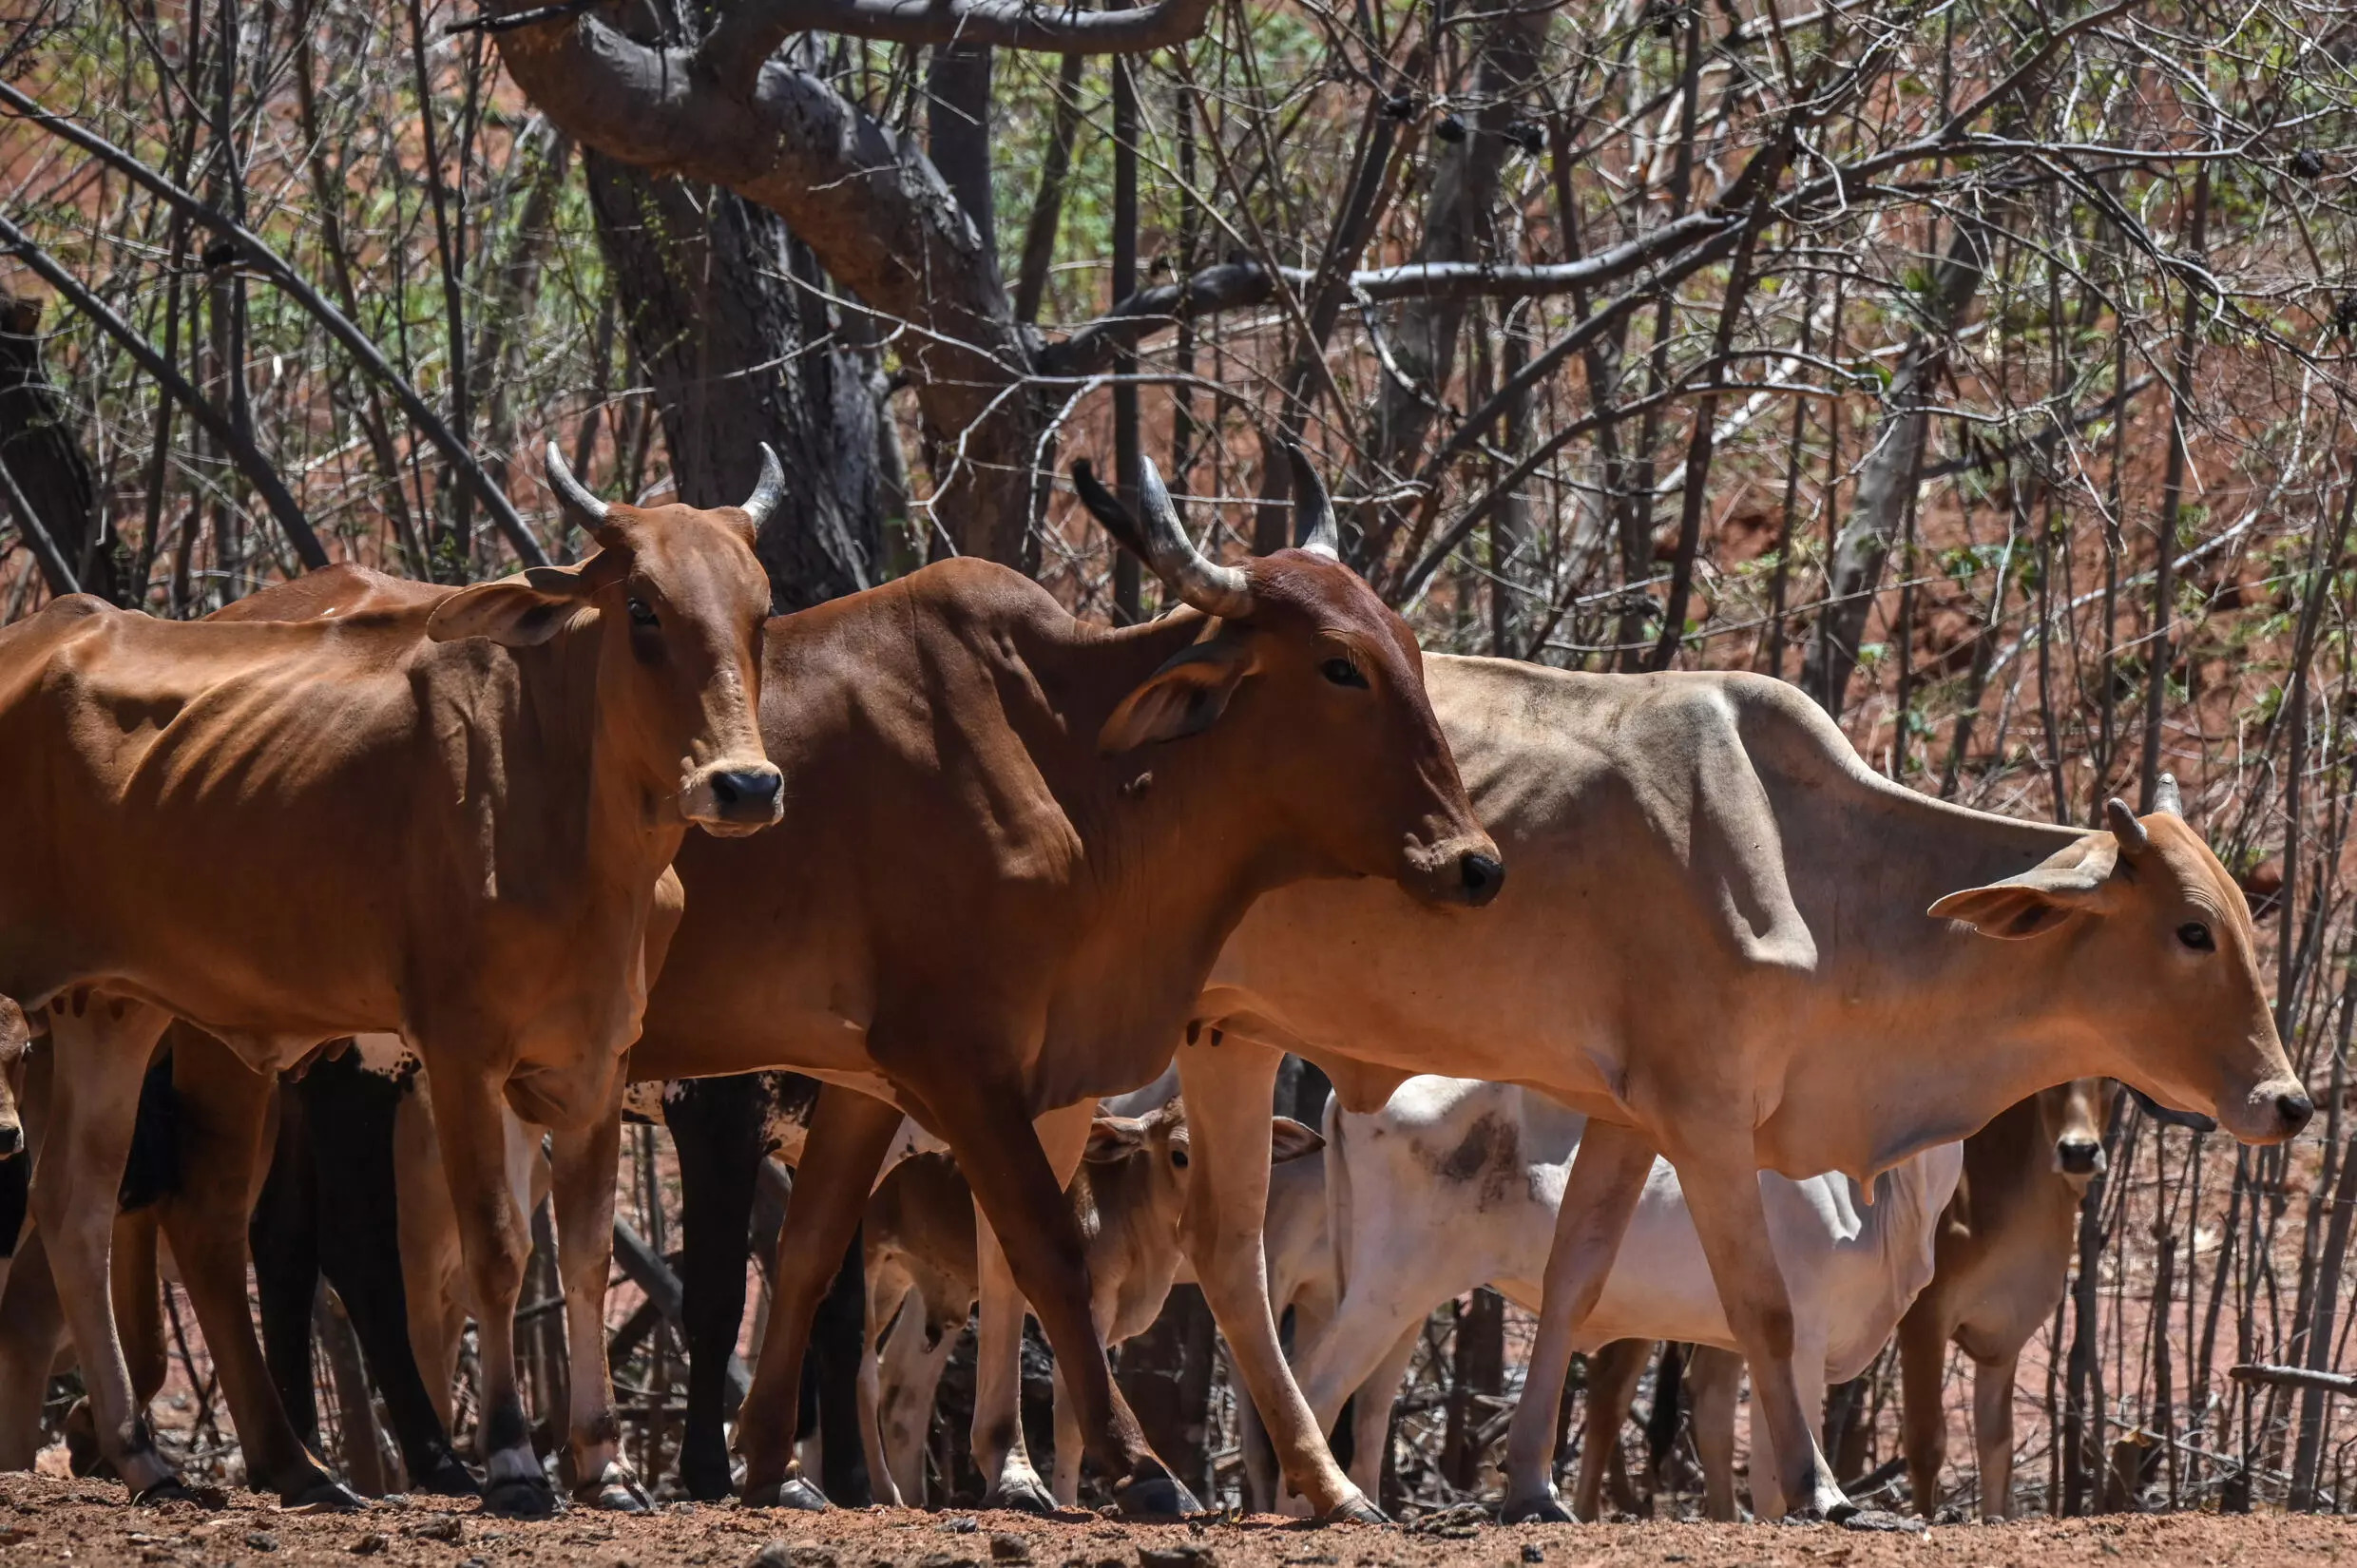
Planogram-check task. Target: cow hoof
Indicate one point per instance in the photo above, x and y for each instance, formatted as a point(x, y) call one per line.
point(171, 1489)
point(1357, 1510)
point(792, 1492)
point(1025, 1495)
point(449, 1477)
point(1154, 1497)
point(519, 1497)
point(617, 1491)
point(321, 1495)
point(1535, 1511)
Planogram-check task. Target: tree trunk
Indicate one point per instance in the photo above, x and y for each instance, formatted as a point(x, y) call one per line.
point(705, 279)
point(40, 444)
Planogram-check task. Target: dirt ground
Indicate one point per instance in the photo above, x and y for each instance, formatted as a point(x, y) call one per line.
point(44, 1520)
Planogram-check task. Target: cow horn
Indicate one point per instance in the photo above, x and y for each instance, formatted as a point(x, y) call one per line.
point(1313, 514)
point(2165, 795)
point(771, 490)
point(572, 492)
point(2134, 840)
point(1210, 587)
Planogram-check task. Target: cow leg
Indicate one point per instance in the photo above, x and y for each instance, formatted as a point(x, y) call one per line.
point(103, 1047)
point(989, 1131)
point(348, 1125)
point(1992, 1430)
point(222, 1116)
point(1228, 1088)
point(1923, 1377)
point(1371, 1431)
point(838, 1329)
point(471, 1117)
point(283, 1238)
point(1721, 1184)
point(1769, 1499)
point(1600, 1191)
point(880, 1483)
point(582, 1190)
point(849, 1134)
point(715, 1126)
point(915, 1352)
point(1613, 1373)
point(1000, 1451)
point(1712, 1376)
point(31, 1324)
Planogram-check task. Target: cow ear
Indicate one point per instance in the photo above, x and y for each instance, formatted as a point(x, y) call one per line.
point(2076, 880)
point(1186, 696)
point(1114, 1138)
point(529, 608)
point(1291, 1140)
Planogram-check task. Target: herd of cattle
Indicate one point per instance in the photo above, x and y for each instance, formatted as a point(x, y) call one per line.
point(979, 870)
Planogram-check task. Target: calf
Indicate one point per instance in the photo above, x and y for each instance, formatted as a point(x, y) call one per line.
point(1457, 1183)
point(2004, 1255)
point(452, 813)
point(923, 1275)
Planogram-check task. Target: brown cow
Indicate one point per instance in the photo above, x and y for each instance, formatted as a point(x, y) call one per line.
point(447, 817)
point(1012, 848)
point(1729, 943)
point(2002, 1254)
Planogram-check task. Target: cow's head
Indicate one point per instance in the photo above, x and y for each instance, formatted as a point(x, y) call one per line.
point(2070, 1120)
point(1301, 655)
point(677, 601)
point(1159, 1142)
point(2164, 967)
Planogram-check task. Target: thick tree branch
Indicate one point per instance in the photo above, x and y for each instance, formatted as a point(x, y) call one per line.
point(255, 252)
point(873, 211)
point(1236, 285)
point(747, 34)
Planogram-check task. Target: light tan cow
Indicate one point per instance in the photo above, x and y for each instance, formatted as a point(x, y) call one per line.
point(1729, 943)
point(2003, 1253)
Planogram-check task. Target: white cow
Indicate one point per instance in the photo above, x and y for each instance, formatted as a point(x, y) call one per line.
point(1456, 1183)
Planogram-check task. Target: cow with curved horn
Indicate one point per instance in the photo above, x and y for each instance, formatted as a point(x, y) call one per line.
point(458, 807)
point(1013, 847)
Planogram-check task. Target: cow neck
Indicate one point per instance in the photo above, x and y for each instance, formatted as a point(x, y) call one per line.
point(595, 810)
point(1935, 1015)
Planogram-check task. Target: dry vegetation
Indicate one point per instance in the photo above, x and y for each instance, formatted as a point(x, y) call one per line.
point(1982, 365)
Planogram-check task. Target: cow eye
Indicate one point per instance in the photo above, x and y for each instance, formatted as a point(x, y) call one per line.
point(642, 613)
point(1178, 1159)
point(1342, 673)
point(2196, 936)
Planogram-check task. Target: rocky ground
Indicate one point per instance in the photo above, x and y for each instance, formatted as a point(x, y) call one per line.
point(47, 1520)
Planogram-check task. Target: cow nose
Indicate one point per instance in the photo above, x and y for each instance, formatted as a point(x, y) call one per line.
point(2079, 1155)
point(2295, 1109)
point(11, 1139)
point(1481, 876)
point(747, 791)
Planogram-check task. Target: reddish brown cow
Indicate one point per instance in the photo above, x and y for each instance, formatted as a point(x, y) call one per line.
point(446, 815)
point(1013, 844)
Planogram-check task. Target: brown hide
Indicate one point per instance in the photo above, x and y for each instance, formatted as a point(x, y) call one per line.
point(1012, 845)
point(449, 811)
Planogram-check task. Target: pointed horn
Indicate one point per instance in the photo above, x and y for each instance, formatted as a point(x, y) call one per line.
point(771, 490)
point(1214, 590)
point(1313, 514)
point(571, 492)
point(2134, 840)
point(2165, 795)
